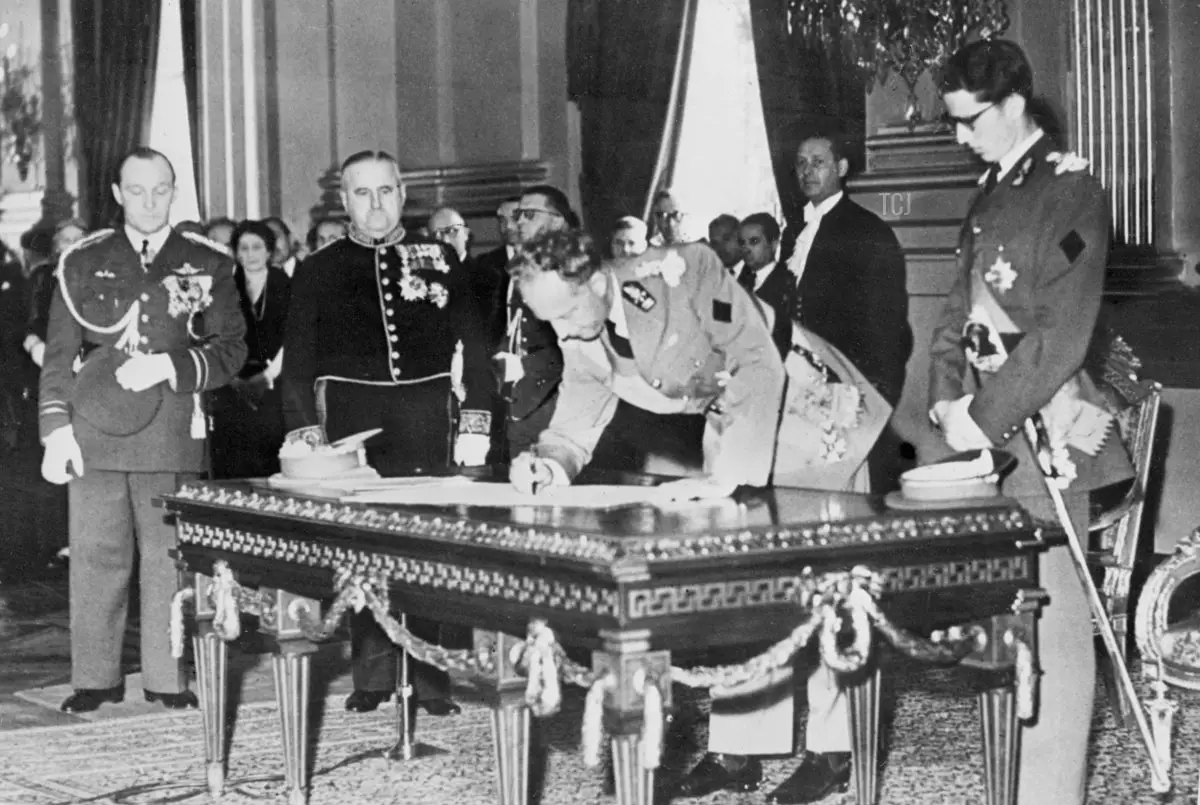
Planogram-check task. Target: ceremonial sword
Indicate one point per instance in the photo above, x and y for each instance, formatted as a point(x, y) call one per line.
point(1158, 740)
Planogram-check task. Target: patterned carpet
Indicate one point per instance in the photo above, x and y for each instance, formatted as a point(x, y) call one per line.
point(933, 757)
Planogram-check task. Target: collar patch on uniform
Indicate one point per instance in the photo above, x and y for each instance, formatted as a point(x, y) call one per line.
point(637, 294)
point(722, 311)
point(1024, 169)
point(1072, 245)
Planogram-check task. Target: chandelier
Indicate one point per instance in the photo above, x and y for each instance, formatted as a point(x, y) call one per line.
point(904, 37)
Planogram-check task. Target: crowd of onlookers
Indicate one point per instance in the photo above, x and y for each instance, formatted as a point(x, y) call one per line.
point(246, 416)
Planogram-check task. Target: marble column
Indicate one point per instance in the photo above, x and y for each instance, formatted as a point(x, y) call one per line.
point(57, 201)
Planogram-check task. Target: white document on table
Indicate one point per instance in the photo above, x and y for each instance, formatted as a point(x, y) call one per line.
point(462, 492)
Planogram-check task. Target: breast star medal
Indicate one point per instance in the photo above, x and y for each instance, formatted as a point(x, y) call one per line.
point(1001, 275)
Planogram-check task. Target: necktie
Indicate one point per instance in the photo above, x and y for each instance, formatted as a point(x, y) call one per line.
point(620, 343)
point(146, 259)
point(993, 174)
point(746, 279)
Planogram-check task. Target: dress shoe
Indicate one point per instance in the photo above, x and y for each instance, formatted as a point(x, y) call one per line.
point(719, 773)
point(364, 701)
point(817, 776)
point(174, 701)
point(440, 707)
point(85, 700)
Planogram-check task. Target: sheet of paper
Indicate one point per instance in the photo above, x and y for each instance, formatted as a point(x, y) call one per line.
point(454, 492)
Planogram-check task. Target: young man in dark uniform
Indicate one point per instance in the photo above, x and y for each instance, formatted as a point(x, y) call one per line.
point(1010, 345)
point(143, 321)
point(375, 322)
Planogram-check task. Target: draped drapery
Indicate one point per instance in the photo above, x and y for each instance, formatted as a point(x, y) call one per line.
point(802, 93)
point(621, 58)
point(116, 49)
point(189, 14)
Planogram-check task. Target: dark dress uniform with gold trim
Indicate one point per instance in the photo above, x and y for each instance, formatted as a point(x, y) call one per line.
point(370, 342)
point(136, 446)
point(1014, 333)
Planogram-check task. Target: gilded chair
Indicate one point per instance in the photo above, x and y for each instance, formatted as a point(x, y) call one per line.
point(1117, 513)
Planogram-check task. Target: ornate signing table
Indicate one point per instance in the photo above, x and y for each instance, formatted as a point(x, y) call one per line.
point(637, 585)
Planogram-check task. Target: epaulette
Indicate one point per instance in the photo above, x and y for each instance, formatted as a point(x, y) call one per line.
point(86, 240)
point(203, 241)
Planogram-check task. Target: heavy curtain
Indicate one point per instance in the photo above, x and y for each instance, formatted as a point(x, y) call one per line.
point(803, 93)
point(116, 48)
point(620, 64)
point(189, 13)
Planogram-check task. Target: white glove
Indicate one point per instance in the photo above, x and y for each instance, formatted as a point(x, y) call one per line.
point(471, 449)
point(36, 349)
point(701, 488)
point(62, 456)
point(143, 371)
point(531, 474)
point(960, 430)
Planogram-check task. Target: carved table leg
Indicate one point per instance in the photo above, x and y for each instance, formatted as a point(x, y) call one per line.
point(863, 699)
point(631, 667)
point(292, 667)
point(1001, 745)
point(505, 692)
point(211, 667)
point(1009, 692)
point(510, 735)
point(212, 659)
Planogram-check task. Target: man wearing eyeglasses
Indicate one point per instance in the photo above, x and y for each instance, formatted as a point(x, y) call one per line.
point(447, 226)
point(529, 362)
point(1010, 345)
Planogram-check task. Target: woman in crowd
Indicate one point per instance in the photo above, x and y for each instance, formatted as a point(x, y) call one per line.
point(248, 426)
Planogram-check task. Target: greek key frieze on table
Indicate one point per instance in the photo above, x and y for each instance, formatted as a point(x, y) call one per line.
point(682, 599)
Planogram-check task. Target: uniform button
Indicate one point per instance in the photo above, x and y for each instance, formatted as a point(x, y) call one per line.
point(382, 250)
point(145, 297)
point(390, 312)
point(656, 383)
point(382, 264)
point(387, 297)
point(144, 339)
point(395, 355)
point(392, 327)
point(395, 338)
point(386, 281)
point(101, 296)
point(976, 230)
point(145, 317)
point(697, 363)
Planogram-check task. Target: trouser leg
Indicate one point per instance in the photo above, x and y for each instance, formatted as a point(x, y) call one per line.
point(828, 725)
point(375, 658)
point(755, 718)
point(1053, 768)
point(159, 578)
point(101, 542)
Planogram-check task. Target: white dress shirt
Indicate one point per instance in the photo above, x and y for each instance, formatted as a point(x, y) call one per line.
point(155, 241)
point(812, 222)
